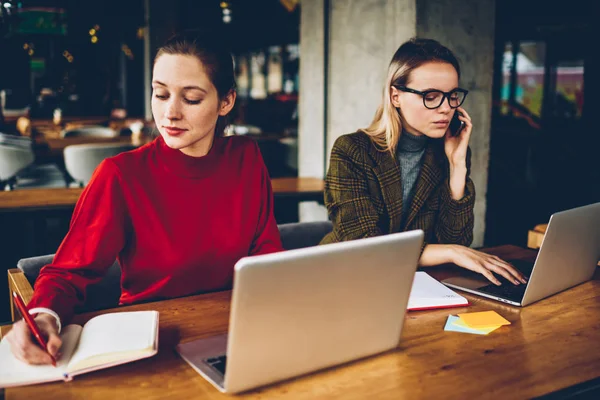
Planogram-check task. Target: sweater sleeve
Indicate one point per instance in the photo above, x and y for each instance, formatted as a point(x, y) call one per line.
point(96, 236)
point(267, 238)
point(456, 217)
point(347, 194)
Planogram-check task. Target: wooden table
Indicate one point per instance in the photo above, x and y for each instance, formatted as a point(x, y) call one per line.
point(535, 236)
point(57, 146)
point(301, 189)
point(38, 199)
point(46, 129)
point(550, 345)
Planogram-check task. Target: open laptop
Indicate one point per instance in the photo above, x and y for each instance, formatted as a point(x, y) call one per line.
point(302, 310)
point(567, 257)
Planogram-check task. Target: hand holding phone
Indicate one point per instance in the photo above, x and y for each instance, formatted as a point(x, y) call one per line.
point(456, 125)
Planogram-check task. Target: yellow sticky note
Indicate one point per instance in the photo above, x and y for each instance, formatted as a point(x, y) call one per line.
point(485, 331)
point(484, 319)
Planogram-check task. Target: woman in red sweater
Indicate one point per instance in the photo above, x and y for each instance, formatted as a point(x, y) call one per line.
point(177, 213)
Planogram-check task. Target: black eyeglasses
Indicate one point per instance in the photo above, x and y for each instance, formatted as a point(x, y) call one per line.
point(434, 98)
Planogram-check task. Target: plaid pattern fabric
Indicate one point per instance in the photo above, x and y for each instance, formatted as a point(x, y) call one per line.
point(363, 195)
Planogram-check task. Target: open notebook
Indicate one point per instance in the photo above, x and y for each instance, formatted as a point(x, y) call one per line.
point(428, 293)
point(104, 341)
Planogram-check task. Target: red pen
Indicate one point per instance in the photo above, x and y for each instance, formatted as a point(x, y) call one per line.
point(32, 325)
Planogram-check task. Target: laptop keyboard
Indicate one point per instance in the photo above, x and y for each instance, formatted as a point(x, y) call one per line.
point(219, 363)
point(526, 267)
point(509, 290)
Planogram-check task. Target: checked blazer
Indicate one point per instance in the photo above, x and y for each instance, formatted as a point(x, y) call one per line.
point(363, 194)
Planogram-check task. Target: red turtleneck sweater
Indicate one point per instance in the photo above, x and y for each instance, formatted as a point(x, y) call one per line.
point(177, 224)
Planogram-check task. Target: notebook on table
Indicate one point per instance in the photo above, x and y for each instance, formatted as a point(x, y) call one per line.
point(104, 341)
point(427, 293)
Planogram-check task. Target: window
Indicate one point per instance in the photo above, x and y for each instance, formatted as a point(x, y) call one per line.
point(568, 96)
point(529, 80)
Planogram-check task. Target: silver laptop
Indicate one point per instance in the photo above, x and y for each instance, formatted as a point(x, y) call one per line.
point(567, 257)
point(302, 310)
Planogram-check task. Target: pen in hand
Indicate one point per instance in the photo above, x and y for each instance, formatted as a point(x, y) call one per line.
point(32, 325)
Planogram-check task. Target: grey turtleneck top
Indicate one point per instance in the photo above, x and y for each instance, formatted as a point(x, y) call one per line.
point(409, 153)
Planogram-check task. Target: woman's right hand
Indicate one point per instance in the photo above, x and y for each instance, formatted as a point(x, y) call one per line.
point(486, 265)
point(477, 261)
point(24, 346)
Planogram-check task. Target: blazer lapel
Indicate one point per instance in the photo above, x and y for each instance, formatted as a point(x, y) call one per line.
point(387, 171)
point(429, 179)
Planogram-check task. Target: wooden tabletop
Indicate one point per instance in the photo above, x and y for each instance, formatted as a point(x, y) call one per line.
point(550, 345)
point(293, 186)
point(39, 199)
point(46, 129)
point(56, 146)
point(36, 199)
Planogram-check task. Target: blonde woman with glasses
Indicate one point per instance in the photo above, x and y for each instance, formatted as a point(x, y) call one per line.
point(410, 168)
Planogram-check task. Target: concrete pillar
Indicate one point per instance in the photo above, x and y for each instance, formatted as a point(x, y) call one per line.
point(311, 107)
point(467, 28)
point(351, 42)
point(314, 21)
point(363, 37)
point(345, 47)
point(160, 23)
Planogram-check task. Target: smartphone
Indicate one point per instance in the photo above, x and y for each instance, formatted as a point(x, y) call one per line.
point(456, 125)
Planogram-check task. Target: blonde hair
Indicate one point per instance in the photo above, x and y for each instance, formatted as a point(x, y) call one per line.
point(386, 127)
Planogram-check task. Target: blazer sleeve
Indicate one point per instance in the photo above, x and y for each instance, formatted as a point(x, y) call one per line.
point(347, 195)
point(456, 217)
point(96, 236)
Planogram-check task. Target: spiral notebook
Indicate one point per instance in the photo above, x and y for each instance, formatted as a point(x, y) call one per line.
point(428, 293)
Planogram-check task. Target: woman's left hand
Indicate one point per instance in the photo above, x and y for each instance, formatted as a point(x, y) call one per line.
point(456, 146)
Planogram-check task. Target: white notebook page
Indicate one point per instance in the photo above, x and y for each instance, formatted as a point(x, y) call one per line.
point(15, 372)
point(428, 292)
point(115, 333)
